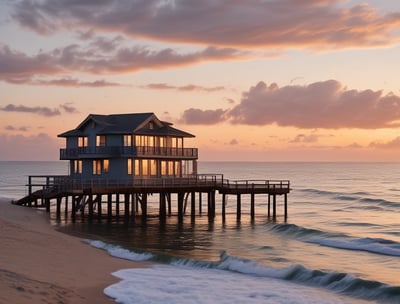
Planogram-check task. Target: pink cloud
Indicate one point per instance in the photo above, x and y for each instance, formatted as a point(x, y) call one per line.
point(234, 23)
point(204, 117)
point(38, 110)
point(392, 144)
point(187, 88)
point(326, 104)
point(17, 67)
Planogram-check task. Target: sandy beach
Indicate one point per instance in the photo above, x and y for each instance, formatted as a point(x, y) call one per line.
point(41, 265)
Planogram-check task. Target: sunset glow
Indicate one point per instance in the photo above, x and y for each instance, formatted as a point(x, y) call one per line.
point(313, 80)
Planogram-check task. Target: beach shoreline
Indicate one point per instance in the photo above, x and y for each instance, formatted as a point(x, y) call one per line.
point(39, 264)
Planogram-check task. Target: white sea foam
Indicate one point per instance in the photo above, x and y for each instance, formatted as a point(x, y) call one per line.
point(180, 284)
point(119, 252)
point(365, 244)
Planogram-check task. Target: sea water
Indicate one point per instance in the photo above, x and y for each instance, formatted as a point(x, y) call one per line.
point(339, 244)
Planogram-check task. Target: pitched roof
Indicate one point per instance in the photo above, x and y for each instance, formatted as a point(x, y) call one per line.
point(127, 124)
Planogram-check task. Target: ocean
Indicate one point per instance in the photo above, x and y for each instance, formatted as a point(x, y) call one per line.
point(339, 244)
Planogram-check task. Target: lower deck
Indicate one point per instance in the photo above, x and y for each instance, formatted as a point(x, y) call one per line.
point(107, 199)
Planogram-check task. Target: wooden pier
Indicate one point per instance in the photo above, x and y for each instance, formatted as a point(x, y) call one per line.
point(129, 198)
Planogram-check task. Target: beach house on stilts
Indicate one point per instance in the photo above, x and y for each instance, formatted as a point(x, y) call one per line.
point(117, 161)
point(125, 146)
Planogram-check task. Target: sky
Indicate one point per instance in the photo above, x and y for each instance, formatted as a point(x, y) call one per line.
point(254, 80)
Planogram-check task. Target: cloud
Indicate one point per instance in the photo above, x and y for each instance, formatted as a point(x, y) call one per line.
point(326, 104)
point(186, 88)
point(303, 138)
point(69, 108)
point(12, 128)
point(234, 142)
point(235, 23)
point(64, 82)
point(204, 117)
point(17, 67)
point(393, 144)
point(43, 111)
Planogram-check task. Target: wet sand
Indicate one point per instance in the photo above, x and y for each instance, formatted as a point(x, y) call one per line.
point(41, 265)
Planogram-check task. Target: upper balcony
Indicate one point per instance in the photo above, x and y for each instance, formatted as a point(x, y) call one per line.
point(118, 151)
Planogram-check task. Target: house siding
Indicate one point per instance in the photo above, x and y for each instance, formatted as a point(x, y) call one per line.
point(156, 151)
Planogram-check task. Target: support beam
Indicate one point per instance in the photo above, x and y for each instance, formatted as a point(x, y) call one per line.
point(200, 204)
point(109, 207)
point(58, 207)
point(181, 197)
point(252, 201)
point(238, 207)
point(117, 205)
point(126, 205)
point(193, 204)
point(99, 211)
point(163, 206)
point(223, 206)
point(144, 204)
point(286, 213)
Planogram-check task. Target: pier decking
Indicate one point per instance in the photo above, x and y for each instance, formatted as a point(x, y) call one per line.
point(129, 198)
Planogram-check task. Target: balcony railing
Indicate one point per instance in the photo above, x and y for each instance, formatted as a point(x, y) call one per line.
point(131, 151)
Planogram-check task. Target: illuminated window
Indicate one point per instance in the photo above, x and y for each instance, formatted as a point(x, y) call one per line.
point(82, 141)
point(106, 165)
point(164, 167)
point(130, 168)
point(145, 167)
point(96, 167)
point(100, 141)
point(127, 140)
point(177, 168)
point(100, 166)
point(137, 167)
point(153, 167)
point(77, 166)
point(170, 168)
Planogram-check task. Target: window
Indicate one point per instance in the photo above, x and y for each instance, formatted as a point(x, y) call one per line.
point(153, 167)
point(100, 141)
point(100, 166)
point(82, 141)
point(130, 166)
point(145, 167)
point(77, 167)
point(127, 140)
point(164, 167)
point(162, 141)
point(137, 167)
point(106, 166)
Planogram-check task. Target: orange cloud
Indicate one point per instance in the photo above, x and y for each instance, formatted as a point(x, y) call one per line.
point(234, 23)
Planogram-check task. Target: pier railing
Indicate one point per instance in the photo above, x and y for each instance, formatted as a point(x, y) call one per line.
point(60, 183)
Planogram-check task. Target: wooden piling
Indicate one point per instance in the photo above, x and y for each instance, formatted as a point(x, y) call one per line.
point(238, 207)
point(252, 210)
